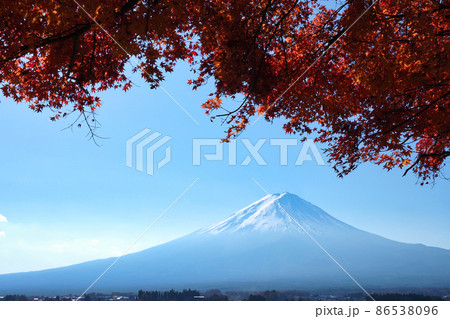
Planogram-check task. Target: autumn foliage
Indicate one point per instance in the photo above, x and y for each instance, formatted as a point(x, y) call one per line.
point(372, 88)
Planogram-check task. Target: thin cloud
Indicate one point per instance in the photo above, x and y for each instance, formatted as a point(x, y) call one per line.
point(3, 219)
point(2, 234)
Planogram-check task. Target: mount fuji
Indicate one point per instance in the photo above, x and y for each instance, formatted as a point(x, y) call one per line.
point(278, 242)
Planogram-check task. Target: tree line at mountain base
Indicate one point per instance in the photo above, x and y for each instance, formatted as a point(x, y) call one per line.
point(404, 297)
point(217, 295)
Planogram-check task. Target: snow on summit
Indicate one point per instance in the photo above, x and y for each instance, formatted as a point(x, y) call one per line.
point(277, 212)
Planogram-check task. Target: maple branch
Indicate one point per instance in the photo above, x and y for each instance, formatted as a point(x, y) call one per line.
point(60, 37)
point(91, 62)
point(263, 19)
point(229, 113)
point(92, 133)
point(76, 42)
point(333, 16)
point(427, 106)
point(396, 126)
point(266, 47)
point(443, 155)
point(130, 4)
point(279, 22)
point(286, 64)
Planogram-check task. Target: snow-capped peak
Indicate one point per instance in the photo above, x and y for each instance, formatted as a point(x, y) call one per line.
point(276, 212)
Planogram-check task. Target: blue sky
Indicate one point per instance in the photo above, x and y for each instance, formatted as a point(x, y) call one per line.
point(65, 200)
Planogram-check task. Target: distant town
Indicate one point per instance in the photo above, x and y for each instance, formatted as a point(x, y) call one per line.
point(268, 295)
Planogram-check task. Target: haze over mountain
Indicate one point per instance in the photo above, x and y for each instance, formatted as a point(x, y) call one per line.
point(258, 247)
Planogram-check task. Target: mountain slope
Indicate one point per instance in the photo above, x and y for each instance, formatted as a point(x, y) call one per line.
point(258, 247)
